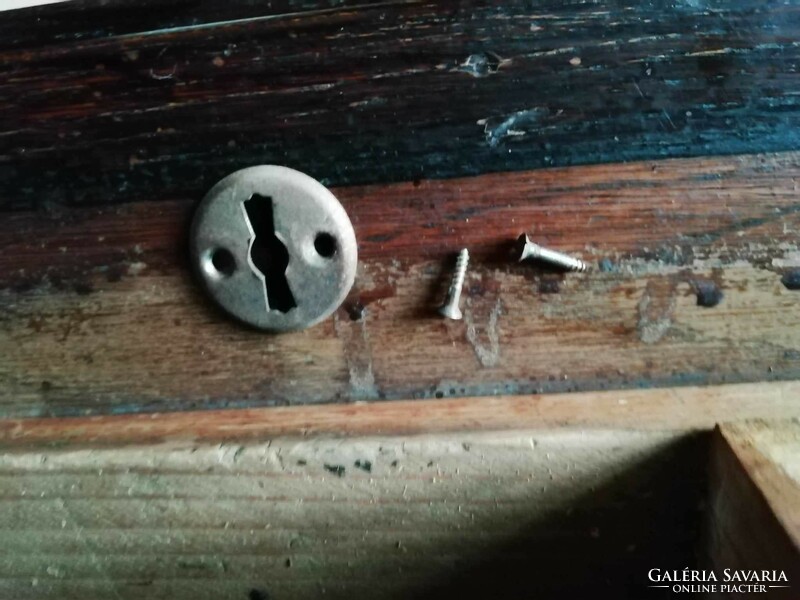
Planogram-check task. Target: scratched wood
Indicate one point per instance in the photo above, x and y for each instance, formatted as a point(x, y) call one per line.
point(106, 102)
point(754, 516)
point(694, 279)
point(437, 516)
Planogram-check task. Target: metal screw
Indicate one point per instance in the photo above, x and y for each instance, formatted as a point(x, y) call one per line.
point(450, 307)
point(527, 249)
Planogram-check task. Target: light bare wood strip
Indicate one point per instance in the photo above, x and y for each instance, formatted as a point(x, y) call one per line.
point(754, 516)
point(685, 408)
point(369, 517)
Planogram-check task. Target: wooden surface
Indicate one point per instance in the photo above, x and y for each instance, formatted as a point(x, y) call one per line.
point(769, 452)
point(433, 122)
point(437, 516)
point(754, 503)
point(105, 102)
point(695, 272)
point(446, 514)
point(439, 126)
point(666, 410)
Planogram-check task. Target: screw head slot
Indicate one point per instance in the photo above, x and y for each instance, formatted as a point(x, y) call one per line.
point(274, 248)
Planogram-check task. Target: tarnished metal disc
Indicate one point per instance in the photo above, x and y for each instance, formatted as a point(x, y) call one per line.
point(274, 248)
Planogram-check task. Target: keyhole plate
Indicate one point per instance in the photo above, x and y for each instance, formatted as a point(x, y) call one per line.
point(246, 228)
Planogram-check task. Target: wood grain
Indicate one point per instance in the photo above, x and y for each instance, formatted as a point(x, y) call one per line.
point(436, 516)
point(754, 521)
point(769, 452)
point(678, 409)
point(109, 102)
point(695, 272)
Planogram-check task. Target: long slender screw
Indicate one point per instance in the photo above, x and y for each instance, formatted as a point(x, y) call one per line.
point(450, 307)
point(527, 249)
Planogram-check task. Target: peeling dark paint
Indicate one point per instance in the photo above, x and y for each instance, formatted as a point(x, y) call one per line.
point(534, 108)
point(482, 64)
point(605, 265)
point(364, 465)
point(338, 470)
point(791, 280)
point(708, 293)
point(549, 286)
point(83, 288)
point(355, 310)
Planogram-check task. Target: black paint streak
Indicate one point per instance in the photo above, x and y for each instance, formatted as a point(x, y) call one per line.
point(364, 465)
point(337, 470)
point(384, 237)
point(708, 293)
point(115, 273)
point(605, 265)
point(355, 310)
point(791, 280)
point(165, 114)
point(83, 288)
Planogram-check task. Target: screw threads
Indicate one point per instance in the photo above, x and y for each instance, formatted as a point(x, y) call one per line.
point(562, 260)
point(450, 308)
point(461, 271)
point(527, 249)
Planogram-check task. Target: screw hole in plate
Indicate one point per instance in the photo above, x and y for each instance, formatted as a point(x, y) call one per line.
point(325, 245)
point(222, 262)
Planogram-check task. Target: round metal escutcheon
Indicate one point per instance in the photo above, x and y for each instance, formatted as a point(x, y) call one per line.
point(274, 248)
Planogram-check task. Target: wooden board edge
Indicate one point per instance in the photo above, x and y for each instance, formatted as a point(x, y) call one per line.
point(778, 490)
point(684, 408)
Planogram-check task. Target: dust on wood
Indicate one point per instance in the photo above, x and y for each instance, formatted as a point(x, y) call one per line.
point(259, 520)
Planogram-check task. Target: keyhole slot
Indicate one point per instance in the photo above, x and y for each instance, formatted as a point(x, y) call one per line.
point(268, 253)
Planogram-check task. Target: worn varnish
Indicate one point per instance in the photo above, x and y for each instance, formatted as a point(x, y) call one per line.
point(103, 103)
point(100, 313)
point(441, 125)
point(432, 121)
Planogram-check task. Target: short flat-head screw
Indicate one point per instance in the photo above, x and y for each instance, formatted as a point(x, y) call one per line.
point(450, 307)
point(527, 249)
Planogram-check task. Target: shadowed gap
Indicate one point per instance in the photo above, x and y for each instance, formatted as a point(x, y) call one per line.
point(268, 254)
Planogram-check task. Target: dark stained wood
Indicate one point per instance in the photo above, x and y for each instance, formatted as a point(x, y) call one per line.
point(109, 102)
point(692, 283)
